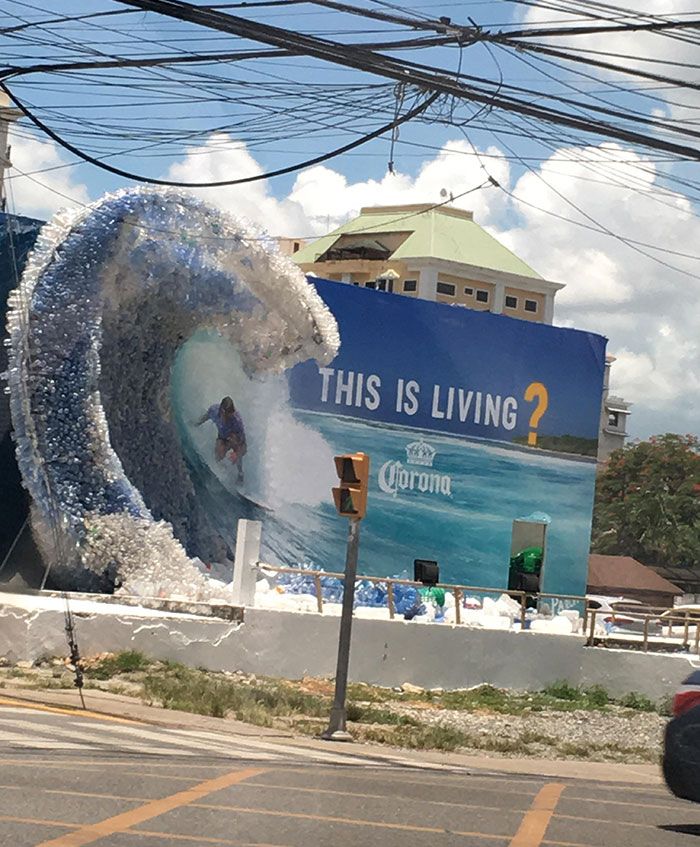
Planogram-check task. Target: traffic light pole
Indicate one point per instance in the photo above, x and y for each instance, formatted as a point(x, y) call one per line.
point(337, 730)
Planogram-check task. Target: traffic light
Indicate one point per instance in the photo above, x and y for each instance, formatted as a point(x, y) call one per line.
point(351, 495)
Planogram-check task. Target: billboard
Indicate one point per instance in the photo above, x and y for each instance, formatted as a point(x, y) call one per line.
point(471, 420)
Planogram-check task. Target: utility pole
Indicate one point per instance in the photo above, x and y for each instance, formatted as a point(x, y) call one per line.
point(350, 498)
point(8, 115)
point(337, 728)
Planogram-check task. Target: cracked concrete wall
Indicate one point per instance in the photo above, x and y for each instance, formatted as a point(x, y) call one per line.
point(389, 653)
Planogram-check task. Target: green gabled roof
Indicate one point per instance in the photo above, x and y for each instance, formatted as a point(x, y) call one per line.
point(442, 233)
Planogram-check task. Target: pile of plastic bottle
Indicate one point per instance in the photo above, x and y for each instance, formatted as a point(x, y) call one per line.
point(367, 593)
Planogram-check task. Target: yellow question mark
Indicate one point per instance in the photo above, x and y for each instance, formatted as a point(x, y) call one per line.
point(536, 390)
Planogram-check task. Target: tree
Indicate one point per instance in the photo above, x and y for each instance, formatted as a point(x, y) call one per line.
point(647, 502)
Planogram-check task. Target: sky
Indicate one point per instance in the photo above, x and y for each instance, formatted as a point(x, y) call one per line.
point(562, 214)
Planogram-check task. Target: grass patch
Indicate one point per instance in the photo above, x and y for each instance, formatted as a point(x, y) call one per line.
point(129, 661)
point(559, 697)
point(483, 697)
point(188, 690)
point(596, 695)
point(562, 690)
point(435, 738)
point(575, 751)
point(372, 693)
point(441, 737)
point(359, 713)
point(637, 701)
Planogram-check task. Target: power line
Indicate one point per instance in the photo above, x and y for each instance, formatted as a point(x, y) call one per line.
point(416, 110)
point(425, 76)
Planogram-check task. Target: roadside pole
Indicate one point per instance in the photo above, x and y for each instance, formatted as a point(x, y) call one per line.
point(350, 497)
point(337, 726)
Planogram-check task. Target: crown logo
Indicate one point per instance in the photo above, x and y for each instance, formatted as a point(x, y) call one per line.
point(420, 453)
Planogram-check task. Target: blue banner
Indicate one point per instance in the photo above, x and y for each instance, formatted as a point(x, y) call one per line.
point(413, 363)
point(471, 420)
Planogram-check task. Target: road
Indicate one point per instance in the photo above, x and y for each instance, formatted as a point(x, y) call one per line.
point(72, 778)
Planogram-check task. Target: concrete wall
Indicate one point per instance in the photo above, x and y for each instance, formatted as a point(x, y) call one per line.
point(383, 652)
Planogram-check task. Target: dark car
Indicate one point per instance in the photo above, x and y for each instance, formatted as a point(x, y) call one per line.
point(682, 743)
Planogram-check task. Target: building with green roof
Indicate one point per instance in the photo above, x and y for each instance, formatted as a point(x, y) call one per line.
point(434, 252)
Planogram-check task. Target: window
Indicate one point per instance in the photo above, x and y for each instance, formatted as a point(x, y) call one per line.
point(371, 284)
point(410, 284)
point(469, 292)
point(511, 302)
point(482, 296)
point(531, 305)
point(614, 419)
point(446, 288)
point(296, 247)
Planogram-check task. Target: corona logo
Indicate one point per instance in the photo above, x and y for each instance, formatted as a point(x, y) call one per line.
point(420, 453)
point(394, 477)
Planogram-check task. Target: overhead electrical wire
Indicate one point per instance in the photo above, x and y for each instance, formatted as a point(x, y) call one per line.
point(428, 77)
point(315, 160)
point(588, 113)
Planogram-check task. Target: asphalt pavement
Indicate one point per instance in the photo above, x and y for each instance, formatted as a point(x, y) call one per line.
point(70, 778)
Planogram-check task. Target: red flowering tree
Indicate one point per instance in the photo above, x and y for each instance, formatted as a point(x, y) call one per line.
point(648, 504)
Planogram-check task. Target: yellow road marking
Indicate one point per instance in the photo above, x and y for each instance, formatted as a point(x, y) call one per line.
point(86, 769)
point(607, 802)
point(304, 790)
point(317, 791)
point(534, 825)
point(567, 844)
point(121, 822)
point(72, 793)
point(399, 779)
point(405, 827)
point(61, 710)
point(200, 839)
point(37, 821)
point(148, 833)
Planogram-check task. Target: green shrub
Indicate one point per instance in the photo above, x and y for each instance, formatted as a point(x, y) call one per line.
point(597, 695)
point(562, 690)
point(126, 662)
point(665, 706)
point(635, 700)
point(368, 714)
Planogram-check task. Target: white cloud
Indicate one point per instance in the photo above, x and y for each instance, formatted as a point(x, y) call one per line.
point(223, 158)
point(328, 197)
point(44, 193)
point(322, 198)
point(650, 313)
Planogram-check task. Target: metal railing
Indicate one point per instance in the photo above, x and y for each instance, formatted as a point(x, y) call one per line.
point(651, 619)
point(458, 591)
point(653, 626)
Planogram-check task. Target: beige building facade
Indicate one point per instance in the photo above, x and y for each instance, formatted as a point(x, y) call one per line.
point(435, 253)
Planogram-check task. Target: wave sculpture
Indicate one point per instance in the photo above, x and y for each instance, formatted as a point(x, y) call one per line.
point(108, 296)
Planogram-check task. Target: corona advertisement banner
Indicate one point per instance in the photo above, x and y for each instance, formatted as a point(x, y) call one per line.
point(472, 421)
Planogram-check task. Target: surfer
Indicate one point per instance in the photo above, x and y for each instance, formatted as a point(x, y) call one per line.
point(230, 432)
